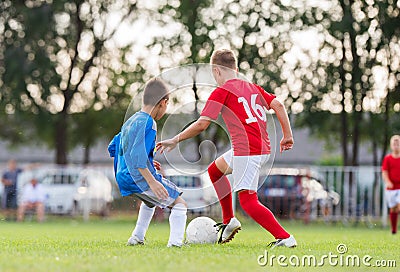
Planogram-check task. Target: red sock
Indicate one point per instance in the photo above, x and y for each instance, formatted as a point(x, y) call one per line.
point(261, 214)
point(393, 221)
point(223, 188)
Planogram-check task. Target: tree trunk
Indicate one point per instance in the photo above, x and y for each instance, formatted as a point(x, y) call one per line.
point(386, 128)
point(343, 114)
point(86, 154)
point(61, 139)
point(196, 116)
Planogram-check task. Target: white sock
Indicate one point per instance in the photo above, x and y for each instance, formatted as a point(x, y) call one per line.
point(144, 217)
point(177, 224)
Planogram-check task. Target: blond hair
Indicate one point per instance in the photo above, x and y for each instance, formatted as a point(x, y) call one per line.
point(394, 138)
point(224, 57)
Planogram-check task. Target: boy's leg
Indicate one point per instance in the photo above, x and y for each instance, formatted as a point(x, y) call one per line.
point(177, 218)
point(246, 174)
point(393, 199)
point(393, 219)
point(40, 211)
point(144, 217)
point(217, 171)
point(261, 214)
point(21, 212)
point(177, 222)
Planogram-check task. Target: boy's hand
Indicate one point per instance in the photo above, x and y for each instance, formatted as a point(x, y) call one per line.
point(159, 190)
point(389, 184)
point(157, 165)
point(286, 143)
point(167, 145)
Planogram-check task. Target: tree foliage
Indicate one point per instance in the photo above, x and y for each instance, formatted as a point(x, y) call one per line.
point(353, 78)
point(69, 68)
point(60, 59)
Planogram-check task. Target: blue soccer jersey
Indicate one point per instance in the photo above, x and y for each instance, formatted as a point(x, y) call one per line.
point(133, 148)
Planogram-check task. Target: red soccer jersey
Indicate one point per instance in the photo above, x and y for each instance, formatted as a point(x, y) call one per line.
point(392, 166)
point(243, 107)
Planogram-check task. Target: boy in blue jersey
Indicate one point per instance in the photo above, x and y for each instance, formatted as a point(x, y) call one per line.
point(133, 151)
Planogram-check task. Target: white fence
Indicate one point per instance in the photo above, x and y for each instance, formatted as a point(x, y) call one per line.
point(361, 190)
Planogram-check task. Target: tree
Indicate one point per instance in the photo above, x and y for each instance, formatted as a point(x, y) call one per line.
point(353, 54)
point(196, 45)
point(60, 58)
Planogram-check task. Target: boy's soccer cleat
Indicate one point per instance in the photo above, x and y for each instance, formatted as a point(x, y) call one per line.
point(173, 245)
point(228, 231)
point(133, 241)
point(288, 242)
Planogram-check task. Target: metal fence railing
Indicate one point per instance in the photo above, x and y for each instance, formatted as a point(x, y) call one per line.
point(361, 191)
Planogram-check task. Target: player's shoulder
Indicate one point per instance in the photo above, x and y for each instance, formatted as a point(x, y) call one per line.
point(388, 158)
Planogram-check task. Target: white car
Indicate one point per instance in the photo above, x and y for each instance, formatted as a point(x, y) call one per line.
point(75, 190)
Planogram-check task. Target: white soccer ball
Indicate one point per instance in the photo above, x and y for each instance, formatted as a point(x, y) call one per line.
point(202, 230)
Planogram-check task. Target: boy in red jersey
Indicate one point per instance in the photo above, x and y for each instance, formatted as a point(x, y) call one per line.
point(242, 106)
point(391, 177)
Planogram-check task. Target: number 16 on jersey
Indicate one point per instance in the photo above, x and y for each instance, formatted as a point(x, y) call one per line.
point(256, 108)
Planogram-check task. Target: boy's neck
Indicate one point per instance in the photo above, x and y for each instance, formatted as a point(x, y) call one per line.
point(396, 154)
point(229, 77)
point(150, 110)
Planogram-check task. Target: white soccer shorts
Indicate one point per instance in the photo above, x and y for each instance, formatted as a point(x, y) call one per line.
point(245, 170)
point(392, 197)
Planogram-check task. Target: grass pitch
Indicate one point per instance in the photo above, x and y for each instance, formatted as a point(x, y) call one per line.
point(99, 245)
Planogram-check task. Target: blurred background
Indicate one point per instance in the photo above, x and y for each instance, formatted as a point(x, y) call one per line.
point(70, 69)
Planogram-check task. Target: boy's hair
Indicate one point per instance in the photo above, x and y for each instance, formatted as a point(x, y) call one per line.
point(224, 57)
point(154, 91)
point(394, 138)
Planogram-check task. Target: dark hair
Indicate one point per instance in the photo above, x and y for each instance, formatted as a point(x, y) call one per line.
point(224, 57)
point(154, 91)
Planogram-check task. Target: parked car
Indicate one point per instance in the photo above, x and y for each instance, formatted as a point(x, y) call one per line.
point(72, 190)
point(289, 193)
point(198, 191)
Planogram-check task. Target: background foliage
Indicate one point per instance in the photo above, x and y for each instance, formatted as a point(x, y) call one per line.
point(68, 69)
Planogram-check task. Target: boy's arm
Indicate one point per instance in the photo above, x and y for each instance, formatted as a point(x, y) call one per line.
point(280, 111)
point(191, 131)
point(157, 188)
point(5, 181)
point(386, 179)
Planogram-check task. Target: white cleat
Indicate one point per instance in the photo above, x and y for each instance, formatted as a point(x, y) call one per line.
point(174, 245)
point(288, 242)
point(229, 230)
point(133, 241)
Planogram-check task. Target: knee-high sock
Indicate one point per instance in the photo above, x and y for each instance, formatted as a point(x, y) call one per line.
point(143, 221)
point(393, 221)
point(261, 214)
point(177, 224)
point(223, 188)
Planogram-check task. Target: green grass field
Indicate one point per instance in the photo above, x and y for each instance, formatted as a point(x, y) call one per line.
point(99, 245)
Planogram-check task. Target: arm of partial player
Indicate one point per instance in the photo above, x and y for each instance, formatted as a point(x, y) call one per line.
point(191, 131)
point(386, 179)
point(280, 111)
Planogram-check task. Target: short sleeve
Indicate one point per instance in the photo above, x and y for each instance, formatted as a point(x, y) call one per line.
point(385, 163)
point(41, 194)
point(112, 146)
point(214, 104)
point(134, 146)
point(267, 96)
